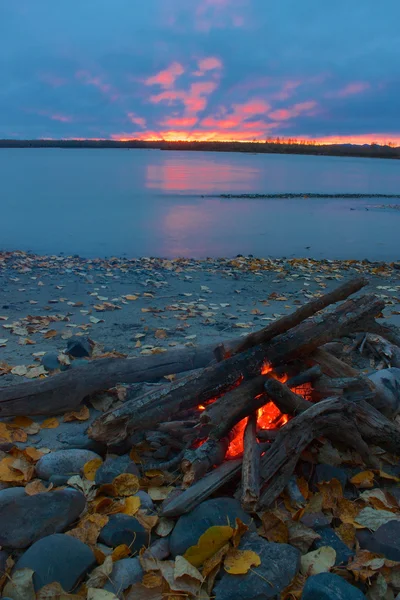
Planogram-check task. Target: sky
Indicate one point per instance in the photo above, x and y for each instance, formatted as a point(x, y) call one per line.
point(200, 69)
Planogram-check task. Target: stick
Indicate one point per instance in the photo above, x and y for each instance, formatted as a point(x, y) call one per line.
point(250, 466)
point(308, 376)
point(287, 322)
point(287, 401)
point(331, 365)
point(197, 462)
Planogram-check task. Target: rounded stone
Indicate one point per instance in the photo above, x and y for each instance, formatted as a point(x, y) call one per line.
point(327, 586)
point(279, 565)
point(25, 519)
point(63, 462)
point(10, 493)
point(60, 558)
point(145, 501)
point(125, 573)
point(124, 529)
point(114, 466)
point(79, 347)
point(189, 528)
point(50, 361)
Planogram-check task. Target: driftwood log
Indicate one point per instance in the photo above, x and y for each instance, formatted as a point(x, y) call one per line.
point(250, 490)
point(360, 425)
point(211, 382)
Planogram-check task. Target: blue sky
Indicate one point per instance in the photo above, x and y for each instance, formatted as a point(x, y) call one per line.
point(200, 69)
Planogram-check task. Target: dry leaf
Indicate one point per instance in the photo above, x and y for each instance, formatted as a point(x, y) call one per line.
point(54, 591)
point(5, 434)
point(373, 519)
point(7, 473)
point(131, 297)
point(213, 563)
point(50, 334)
point(160, 334)
point(365, 564)
point(318, 561)
point(388, 476)
point(132, 505)
point(164, 526)
point(33, 454)
point(90, 468)
point(159, 493)
point(83, 485)
point(36, 372)
point(331, 493)
point(209, 543)
point(121, 551)
point(100, 575)
point(82, 415)
point(20, 586)
point(301, 536)
point(239, 562)
point(36, 487)
point(20, 370)
point(148, 521)
point(184, 572)
point(347, 533)
point(126, 484)
point(377, 498)
point(275, 530)
point(96, 594)
point(365, 479)
point(89, 528)
point(152, 580)
point(51, 423)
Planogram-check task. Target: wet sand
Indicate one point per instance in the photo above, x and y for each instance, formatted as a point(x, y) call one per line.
point(144, 306)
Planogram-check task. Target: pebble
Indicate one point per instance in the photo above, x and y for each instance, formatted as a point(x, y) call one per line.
point(114, 466)
point(79, 347)
point(50, 361)
point(60, 558)
point(328, 472)
point(63, 462)
point(189, 528)
point(385, 540)
point(327, 586)
point(124, 529)
point(279, 565)
point(25, 519)
point(329, 538)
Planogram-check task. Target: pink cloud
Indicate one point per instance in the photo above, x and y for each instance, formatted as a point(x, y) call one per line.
point(137, 120)
point(180, 122)
point(167, 77)
point(194, 100)
point(97, 82)
point(283, 114)
point(357, 87)
point(209, 64)
point(239, 115)
point(61, 118)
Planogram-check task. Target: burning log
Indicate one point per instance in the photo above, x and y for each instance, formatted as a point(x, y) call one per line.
point(359, 424)
point(287, 322)
point(196, 463)
point(287, 401)
point(251, 466)
point(308, 376)
point(211, 382)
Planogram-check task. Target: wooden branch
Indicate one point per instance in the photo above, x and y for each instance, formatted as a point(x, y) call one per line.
point(161, 404)
point(287, 401)
point(308, 376)
point(287, 322)
point(201, 490)
point(358, 422)
point(224, 413)
point(331, 365)
point(66, 390)
point(196, 463)
point(251, 466)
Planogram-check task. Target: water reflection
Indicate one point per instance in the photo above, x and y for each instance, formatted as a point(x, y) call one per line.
point(201, 176)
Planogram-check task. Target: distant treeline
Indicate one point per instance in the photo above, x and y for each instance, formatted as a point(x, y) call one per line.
point(268, 147)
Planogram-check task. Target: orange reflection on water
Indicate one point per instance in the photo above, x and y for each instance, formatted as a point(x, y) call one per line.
point(200, 176)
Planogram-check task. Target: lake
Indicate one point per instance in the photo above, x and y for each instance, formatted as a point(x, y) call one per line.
point(97, 202)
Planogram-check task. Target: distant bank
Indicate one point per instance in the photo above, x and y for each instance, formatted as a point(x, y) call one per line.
point(366, 151)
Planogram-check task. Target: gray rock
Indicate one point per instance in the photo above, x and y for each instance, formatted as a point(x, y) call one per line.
point(327, 586)
point(189, 528)
point(79, 346)
point(385, 540)
point(329, 472)
point(128, 570)
point(279, 564)
point(79, 440)
point(124, 529)
point(125, 573)
point(314, 520)
point(25, 519)
point(58, 480)
point(10, 493)
point(63, 462)
point(145, 501)
point(329, 538)
point(50, 361)
point(58, 557)
point(112, 467)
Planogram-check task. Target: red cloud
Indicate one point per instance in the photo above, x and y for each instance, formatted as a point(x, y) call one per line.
point(239, 115)
point(349, 90)
point(180, 122)
point(194, 100)
point(283, 114)
point(167, 77)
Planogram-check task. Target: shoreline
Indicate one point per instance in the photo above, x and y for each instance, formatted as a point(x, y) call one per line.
point(151, 305)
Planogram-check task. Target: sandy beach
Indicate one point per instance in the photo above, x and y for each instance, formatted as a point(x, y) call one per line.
point(149, 305)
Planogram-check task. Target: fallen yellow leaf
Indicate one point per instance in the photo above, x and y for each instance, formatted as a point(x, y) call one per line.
point(90, 468)
point(365, 479)
point(51, 423)
point(132, 505)
point(126, 484)
point(239, 562)
point(209, 543)
point(121, 551)
point(131, 297)
point(82, 415)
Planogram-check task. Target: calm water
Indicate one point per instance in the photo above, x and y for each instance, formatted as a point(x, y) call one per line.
point(154, 203)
